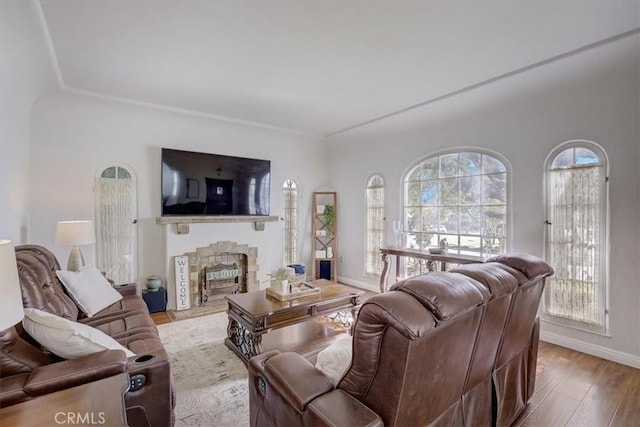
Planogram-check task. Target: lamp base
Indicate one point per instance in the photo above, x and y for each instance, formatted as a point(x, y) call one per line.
point(76, 260)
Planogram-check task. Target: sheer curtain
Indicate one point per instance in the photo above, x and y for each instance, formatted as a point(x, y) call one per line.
point(290, 215)
point(575, 242)
point(375, 224)
point(115, 215)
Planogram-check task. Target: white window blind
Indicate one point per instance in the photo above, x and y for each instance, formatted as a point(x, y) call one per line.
point(375, 224)
point(576, 238)
point(290, 216)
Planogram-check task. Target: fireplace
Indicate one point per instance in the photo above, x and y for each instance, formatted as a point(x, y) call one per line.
point(220, 269)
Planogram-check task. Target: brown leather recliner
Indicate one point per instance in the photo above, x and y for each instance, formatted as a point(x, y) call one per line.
point(448, 348)
point(27, 371)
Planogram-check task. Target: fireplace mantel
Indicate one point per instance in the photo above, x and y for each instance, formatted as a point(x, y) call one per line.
point(182, 222)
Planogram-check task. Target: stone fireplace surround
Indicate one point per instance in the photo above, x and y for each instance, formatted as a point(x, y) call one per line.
point(220, 253)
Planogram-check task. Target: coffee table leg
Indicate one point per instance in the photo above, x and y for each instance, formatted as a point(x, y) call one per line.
point(246, 343)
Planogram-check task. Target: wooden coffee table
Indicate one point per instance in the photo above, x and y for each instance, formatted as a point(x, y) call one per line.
point(254, 314)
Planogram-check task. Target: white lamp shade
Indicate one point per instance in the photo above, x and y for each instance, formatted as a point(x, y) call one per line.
point(11, 311)
point(72, 233)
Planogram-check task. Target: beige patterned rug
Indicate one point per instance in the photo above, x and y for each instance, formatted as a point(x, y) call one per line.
point(211, 382)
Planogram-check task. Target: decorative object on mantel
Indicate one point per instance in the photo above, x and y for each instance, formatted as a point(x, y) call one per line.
point(75, 233)
point(182, 222)
point(298, 290)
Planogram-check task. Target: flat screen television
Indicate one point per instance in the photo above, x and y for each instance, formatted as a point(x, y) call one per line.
point(213, 184)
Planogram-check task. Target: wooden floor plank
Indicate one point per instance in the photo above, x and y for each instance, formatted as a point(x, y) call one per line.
point(605, 396)
point(628, 413)
point(586, 370)
point(555, 410)
point(555, 366)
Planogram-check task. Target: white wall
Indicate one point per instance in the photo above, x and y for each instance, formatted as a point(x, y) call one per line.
point(74, 136)
point(25, 74)
point(592, 95)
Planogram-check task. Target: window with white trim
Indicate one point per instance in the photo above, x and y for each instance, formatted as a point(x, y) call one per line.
point(576, 240)
point(374, 195)
point(458, 197)
point(290, 216)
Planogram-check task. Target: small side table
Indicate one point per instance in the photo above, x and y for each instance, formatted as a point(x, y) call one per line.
point(127, 289)
point(98, 402)
point(156, 300)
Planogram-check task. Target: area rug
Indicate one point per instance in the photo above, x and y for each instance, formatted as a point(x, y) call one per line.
point(211, 382)
point(210, 307)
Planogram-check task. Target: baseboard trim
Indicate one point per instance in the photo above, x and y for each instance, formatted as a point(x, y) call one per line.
point(592, 349)
point(357, 284)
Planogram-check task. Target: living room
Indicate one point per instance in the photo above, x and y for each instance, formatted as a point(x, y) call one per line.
point(78, 94)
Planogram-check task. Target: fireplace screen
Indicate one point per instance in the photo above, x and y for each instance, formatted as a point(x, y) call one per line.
point(220, 280)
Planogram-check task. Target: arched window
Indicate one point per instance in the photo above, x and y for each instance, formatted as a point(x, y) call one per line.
point(374, 195)
point(460, 197)
point(290, 215)
point(576, 240)
point(115, 211)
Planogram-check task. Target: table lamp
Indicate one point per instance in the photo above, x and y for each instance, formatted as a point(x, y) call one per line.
point(11, 311)
point(75, 233)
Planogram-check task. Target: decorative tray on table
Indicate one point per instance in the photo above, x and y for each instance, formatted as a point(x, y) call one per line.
point(298, 290)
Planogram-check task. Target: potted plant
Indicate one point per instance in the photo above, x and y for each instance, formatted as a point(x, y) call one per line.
point(281, 278)
point(329, 217)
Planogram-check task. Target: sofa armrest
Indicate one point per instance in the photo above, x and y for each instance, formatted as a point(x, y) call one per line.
point(338, 408)
point(128, 289)
point(73, 372)
point(291, 376)
point(153, 403)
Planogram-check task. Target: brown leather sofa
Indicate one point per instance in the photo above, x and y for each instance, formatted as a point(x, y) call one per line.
point(445, 348)
point(27, 371)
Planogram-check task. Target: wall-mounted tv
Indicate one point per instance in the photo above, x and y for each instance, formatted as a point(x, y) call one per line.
point(213, 184)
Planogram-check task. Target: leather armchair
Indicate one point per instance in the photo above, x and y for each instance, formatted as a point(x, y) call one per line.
point(446, 348)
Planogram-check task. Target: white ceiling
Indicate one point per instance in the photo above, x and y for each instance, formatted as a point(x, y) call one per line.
point(316, 67)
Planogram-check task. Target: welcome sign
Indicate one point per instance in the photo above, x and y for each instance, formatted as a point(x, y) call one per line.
point(183, 298)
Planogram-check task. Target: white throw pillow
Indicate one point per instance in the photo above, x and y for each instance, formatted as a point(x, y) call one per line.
point(65, 338)
point(89, 288)
point(334, 360)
